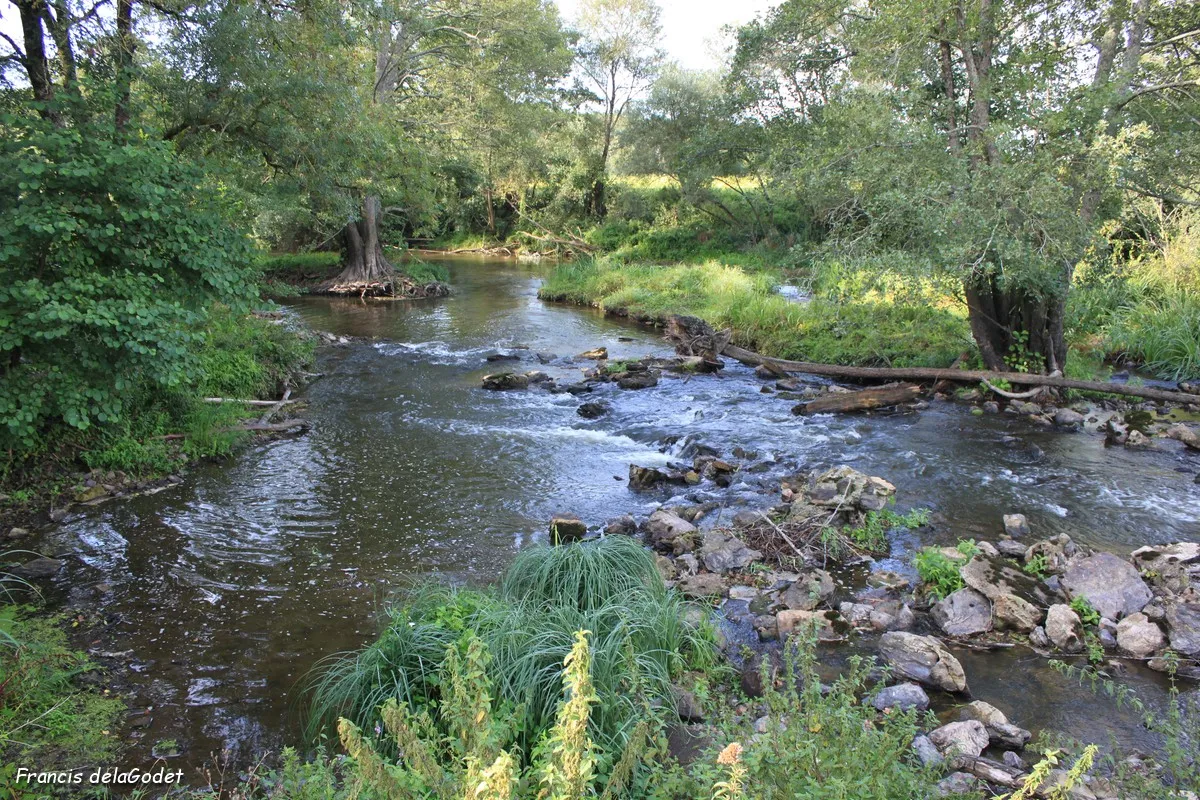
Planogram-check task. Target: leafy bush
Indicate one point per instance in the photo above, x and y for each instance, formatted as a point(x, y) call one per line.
point(872, 534)
point(938, 572)
point(132, 247)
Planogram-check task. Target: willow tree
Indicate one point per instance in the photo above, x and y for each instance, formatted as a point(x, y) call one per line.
point(991, 140)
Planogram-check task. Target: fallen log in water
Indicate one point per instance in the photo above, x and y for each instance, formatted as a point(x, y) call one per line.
point(248, 402)
point(863, 400)
point(693, 336)
point(254, 427)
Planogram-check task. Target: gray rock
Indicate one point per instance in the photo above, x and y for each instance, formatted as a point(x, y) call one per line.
point(968, 738)
point(1183, 624)
point(993, 577)
point(963, 613)
point(667, 531)
point(643, 478)
point(621, 526)
point(926, 751)
point(702, 585)
point(1138, 636)
point(922, 659)
point(1068, 418)
point(505, 381)
point(686, 705)
point(829, 625)
point(1039, 639)
point(1011, 613)
point(957, 783)
point(809, 591)
point(1063, 628)
point(857, 614)
point(687, 564)
point(1015, 525)
point(17, 533)
point(565, 529)
point(40, 567)
point(592, 410)
point(904, 696)
point(1111, 584)
point(1001, 732)
point(721, 553)
point(637, 380)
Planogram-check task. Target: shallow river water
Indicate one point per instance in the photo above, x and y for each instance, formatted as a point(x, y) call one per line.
point(228, 588)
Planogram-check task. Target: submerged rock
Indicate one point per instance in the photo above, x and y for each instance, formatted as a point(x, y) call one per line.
point(1111, 584)
point(1015, 525)
point(592, 410)
point(923, 659)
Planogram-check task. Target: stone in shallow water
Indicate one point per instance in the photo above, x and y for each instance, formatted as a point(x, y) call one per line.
point(904, 696)
point(1110, 583)
point(1138, 636)
point(923, 659)
point(963, 613)
point(968, 738)
point(1063, 628)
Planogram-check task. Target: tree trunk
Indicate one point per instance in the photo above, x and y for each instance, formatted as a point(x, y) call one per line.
point(1016, 327)
point(37, 67)
point(365, 261)
point(491, 209)
point(125, 45)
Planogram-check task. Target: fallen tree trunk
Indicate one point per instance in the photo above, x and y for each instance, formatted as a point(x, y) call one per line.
point(255, 427)
point(957, 375)
point(694, 336)
point(247, 402)
point(863, 400)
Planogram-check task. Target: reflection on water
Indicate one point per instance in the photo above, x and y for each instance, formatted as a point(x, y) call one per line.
point(230, 587)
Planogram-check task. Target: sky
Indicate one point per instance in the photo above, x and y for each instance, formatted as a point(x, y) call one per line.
point(692, 28)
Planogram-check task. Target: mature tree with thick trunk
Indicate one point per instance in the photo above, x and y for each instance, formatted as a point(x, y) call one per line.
point(951, 130)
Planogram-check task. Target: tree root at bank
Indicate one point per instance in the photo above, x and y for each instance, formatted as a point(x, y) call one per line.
point(694, 336)
point(396, 286)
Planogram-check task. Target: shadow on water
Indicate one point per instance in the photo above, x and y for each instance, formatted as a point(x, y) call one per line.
point(228, 588)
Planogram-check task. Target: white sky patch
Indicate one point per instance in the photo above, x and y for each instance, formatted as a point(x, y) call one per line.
point(692, 29)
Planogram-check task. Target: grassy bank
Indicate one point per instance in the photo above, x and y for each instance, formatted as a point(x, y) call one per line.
point(899, 324)
point(49, 718)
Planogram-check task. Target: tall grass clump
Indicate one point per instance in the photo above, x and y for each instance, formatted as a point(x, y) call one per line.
point(610, 587)
point(1161, 333)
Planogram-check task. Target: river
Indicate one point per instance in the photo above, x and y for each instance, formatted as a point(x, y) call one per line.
point(228, 588)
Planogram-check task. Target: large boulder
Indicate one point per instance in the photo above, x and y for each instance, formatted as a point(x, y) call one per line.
point(1015, 525)
point(963, 613)
point(721, 553)
point(1111, 584)
point(1064, 629)
point(701, 586)
point(666, 531)
point(922, 659)
point(1138, 636)
point(1011, 613)
point(1183, 624)
point(810, 590)
point(40, 567)
point(968, 738)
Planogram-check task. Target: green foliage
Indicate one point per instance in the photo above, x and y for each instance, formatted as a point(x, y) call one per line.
point(528, 623)
point(1162, 333)
point(939, 573)
point(872, 534)
point(1176, 724)
point(131, 246)
point(1037, 566)
point(1088, 615)
point(873, 331)
point(819, 745)
point(46, 721)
